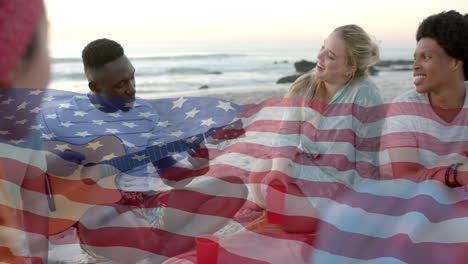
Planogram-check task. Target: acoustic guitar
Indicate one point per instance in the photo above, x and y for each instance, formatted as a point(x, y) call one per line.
point(74, 186)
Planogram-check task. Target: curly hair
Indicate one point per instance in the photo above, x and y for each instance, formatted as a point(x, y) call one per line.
point(100, 52)
point(450, 30)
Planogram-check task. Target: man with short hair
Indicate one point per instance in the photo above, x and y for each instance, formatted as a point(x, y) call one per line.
point(425, 132)
point(162, 219)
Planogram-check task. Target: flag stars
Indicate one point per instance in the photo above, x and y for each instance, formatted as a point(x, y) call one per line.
point(139, 157)
point(83, 134)
point(129, 144)
point(192, 113)
point(36, 92)
point(177, 133)
point(4, 132)
point(178, 103)
point(129, 124)
point(147, 135)
point(115, 115)
point(94, 145)
point(51, 116)
point(9, 117)
point(47, 136)
point(79, 113)
point(98, 106)
point(7, 101)
point(192, 139)
point(98, 122)
point(146, 114)
point(109, 157)
point(16, 142)
point(35, 110)
point(21, 122)
point(129, 105)
point(37, 127)
point(22, 106)
point(64, 105)
point(151, 168)
point(62, 147)
point(67, 124)
point(164, 123)
point(48, 98)
point(208, 122)
point(226, 106)
point(112, 131)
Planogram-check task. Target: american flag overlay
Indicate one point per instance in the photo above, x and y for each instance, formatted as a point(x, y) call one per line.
point(87, 180)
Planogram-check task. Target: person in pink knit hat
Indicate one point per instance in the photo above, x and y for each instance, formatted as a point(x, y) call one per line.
point(24, 63)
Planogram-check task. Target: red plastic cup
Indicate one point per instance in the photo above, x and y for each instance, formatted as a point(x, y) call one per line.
point(207, 249)
point(275, 202)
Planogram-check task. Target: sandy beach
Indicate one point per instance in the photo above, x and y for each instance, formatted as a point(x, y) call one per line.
point(391, 84)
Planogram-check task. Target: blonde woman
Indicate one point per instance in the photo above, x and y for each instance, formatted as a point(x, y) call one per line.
point(334, 134)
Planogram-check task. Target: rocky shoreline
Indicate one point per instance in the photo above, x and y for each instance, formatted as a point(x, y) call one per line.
point(304, 66)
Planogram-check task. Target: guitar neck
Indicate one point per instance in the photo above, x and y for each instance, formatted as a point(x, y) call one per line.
point(150, 154)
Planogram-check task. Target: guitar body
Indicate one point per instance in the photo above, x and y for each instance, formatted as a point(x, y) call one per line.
point(76, 188)
point(83, 176)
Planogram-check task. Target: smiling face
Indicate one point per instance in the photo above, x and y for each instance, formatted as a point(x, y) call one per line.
point(116, 79)
point(332, 63)
point(432, 68)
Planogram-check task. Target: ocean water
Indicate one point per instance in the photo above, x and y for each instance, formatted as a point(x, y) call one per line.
point(176, 68)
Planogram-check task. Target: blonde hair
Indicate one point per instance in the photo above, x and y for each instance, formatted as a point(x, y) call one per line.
point(361, 51)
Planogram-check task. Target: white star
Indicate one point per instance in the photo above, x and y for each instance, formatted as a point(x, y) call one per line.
point(22, 105)
point(21, 122)
point(192, 139)
point(35, 92)
point(4, 132)
point(192, 113)
point(147, 135)
point(9, 117)
point(115, 115)
point(52, 116)
point(178, 103)
point(139, 157)
point(208, 122)
point(17, 141)
point(109, 157)
point(62, 147)
point(128, 144)
point(98, 122)
point(8, 101)
point(176, 155)
point(48, 98)
point(64, 105)
point(129, 105)
point(67, 124)
point(37, 127)
point(81, 97)
point(145, 114)
point(226, 106)
point(79, 113)
point(94, 145)
point(112, 130)
point(83, 134)
point(177, 133)
point(129, 124)
point(35, 110)
point(47, 136)
point(96, 105)
point(151, 168)
point(164, 123)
